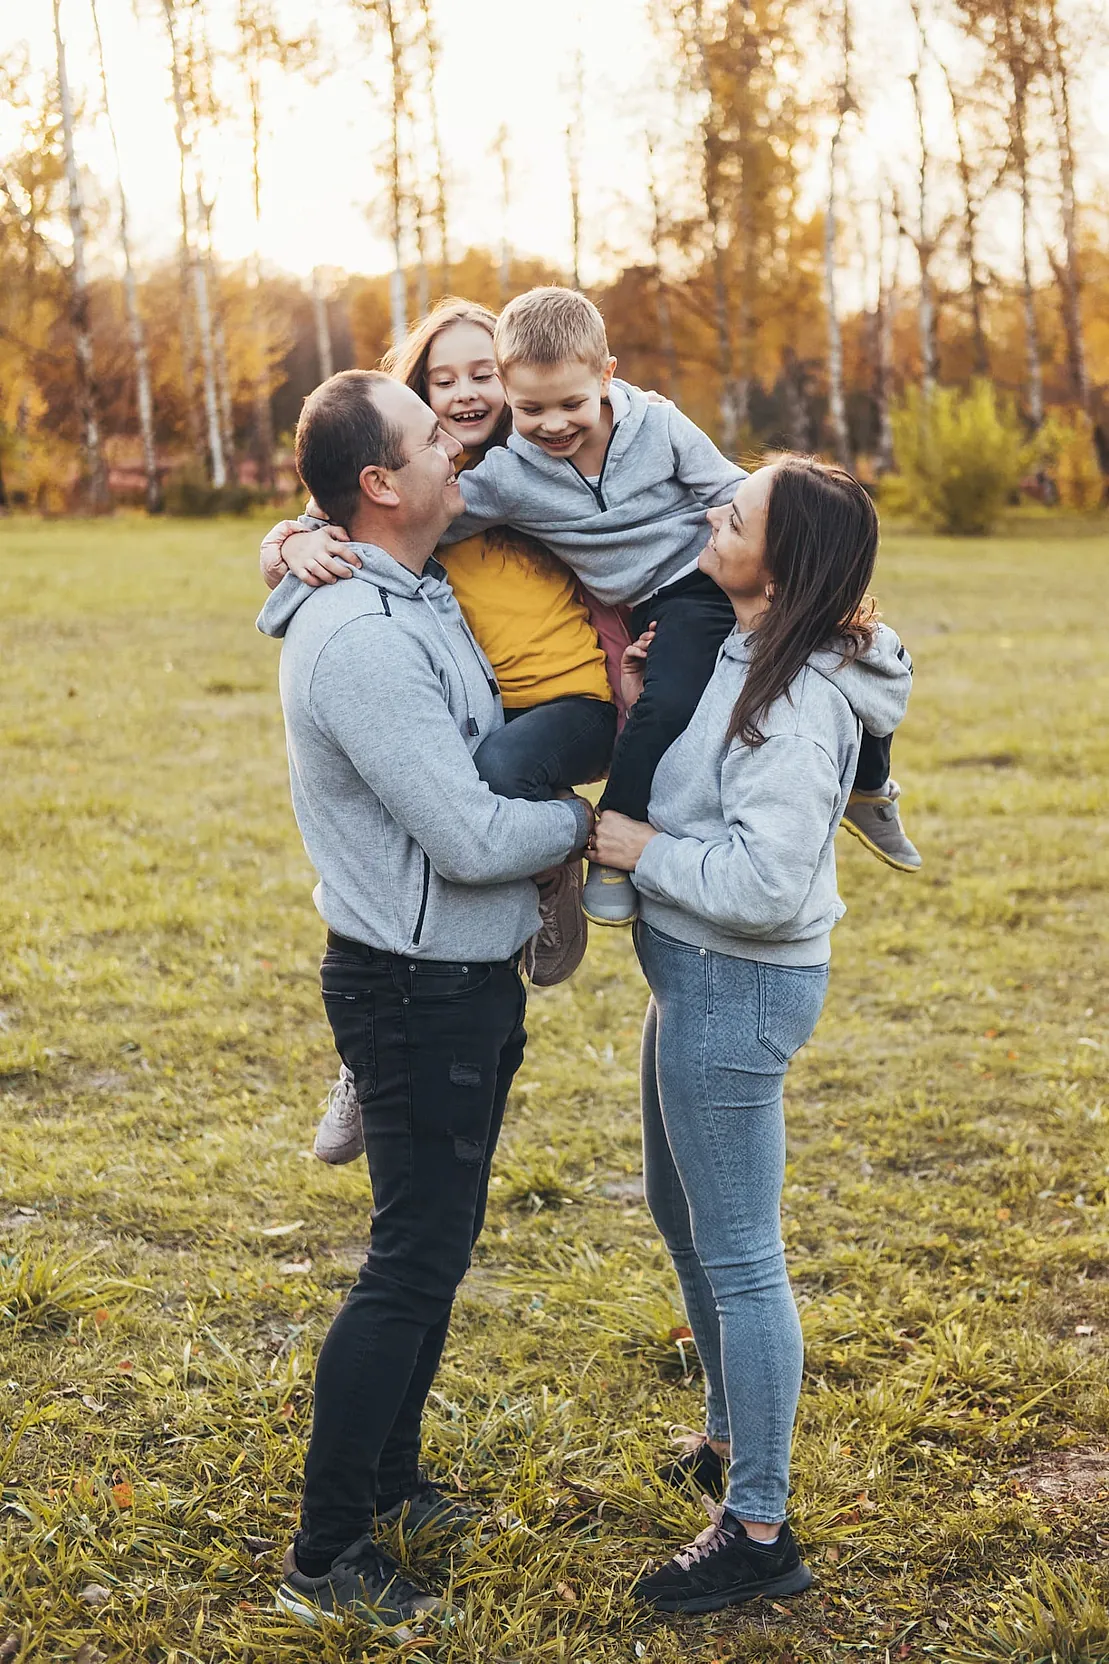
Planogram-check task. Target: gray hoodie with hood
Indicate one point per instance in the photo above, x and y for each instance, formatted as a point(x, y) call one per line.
point(640, 527)
point(745, 862)
point(386, 697)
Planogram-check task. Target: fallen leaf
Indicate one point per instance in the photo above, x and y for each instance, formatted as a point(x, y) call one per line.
point(865, 1503)
point(286, 1412)
point(295, 1268)
point(126, 1367)
point(88, 1654)
point(123, 1494)
point(9, 1646)
point(567, 1592)
point(259, 1545)
point(95, 1595)
point(282, 1230)
point(682, 1333)
point(1004, 1213)
point(1084, 1329)
point(832, 1553)
point(100, 1316)
point(92, 1403)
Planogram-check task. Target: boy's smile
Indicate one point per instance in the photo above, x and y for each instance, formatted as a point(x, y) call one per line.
point(560, 408)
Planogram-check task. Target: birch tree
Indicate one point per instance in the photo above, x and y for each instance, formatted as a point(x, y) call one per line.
point(323, 326)
point(96, 473)
point(971, 214)
point(574, 127)
point(845, 105)
point(920, 233)
point(503, 156)
point(662, 297)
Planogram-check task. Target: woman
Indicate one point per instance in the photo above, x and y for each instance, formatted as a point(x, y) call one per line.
point(737, 881)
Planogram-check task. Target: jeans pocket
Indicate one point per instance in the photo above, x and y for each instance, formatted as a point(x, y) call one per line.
point(436, 979)
point(790, 1002)
point(351, 1015)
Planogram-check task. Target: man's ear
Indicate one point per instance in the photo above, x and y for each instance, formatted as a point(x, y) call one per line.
point(377, 484)
point(606, 376)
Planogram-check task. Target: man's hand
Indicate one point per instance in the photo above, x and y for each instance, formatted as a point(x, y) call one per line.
point(633, 664)
point(618, 841)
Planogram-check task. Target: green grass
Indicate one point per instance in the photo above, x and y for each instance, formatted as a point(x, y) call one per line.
point(162, 1051)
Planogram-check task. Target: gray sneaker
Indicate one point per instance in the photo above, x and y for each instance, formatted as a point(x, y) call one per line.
point(609, 896)
point(366, 1583)
point(560, 946)
point(339, 1134)
point(436, 1513)
point(873, 818)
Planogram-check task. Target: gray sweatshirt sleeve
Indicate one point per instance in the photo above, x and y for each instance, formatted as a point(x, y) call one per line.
point(698, 463)
point(411, 755)
point(779, 808)
point(482, 499)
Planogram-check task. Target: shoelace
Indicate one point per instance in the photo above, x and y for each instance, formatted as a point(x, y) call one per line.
point(372, 1563)
point(687, 1441)
point(342, 1100)
point(713, 1537)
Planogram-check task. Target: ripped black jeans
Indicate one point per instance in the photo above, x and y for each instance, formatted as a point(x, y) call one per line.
point(433, 1047)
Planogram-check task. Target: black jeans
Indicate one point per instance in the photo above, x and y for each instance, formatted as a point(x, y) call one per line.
point(543, 748)
point(433, 1047)
point(694, 617)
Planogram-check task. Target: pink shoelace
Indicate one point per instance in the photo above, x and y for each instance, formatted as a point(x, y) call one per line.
point(711, 1538)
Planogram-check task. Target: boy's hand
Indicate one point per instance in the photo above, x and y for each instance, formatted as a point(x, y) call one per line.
point(319, 557)
point(655, 398)
point(633, 664)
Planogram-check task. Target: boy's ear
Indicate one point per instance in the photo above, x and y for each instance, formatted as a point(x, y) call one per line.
point(606, 376)
point(377, 485)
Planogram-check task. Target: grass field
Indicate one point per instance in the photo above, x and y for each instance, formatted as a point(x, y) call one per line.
point(170, 1254)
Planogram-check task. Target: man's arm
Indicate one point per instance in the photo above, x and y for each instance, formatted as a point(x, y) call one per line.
point(698, 463)
point(379, 697)
point(778, 804)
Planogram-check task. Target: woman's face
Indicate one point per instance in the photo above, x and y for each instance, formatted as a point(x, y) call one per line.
point(735, 554)
point(462, 385)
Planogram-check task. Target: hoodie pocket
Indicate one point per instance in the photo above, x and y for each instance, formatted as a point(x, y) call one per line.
point(425, 887)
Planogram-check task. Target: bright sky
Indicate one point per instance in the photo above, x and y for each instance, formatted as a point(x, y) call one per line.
point(503, 61)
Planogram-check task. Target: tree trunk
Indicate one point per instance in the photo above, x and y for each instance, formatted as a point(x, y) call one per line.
point(501, 152)
point(976, 288)
point(925, 248)
point(431, 49)
point(263, 409)
point(887, 311)
point(1071, 285)
point(837, 408)
point(398, 288)
point(1031, 327)
point(323, 328)
point(662, 298)
point(96, 474)
point(136, 332)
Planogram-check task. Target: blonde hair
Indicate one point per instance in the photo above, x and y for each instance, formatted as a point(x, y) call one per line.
point(550, 326)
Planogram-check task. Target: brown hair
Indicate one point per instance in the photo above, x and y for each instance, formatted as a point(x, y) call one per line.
point(340, 432)
point(407, 361)
point(551, 326)
point(821, 544)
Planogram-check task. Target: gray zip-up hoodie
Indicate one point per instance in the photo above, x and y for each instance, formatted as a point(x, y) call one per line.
point(386, 696)
point(745, 862)
point(640, 527)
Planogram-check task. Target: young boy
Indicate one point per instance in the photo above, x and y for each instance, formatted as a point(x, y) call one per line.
point(617, 487)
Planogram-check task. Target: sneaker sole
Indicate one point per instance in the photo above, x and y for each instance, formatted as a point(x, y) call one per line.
point(340, 1158)
point(612, 924)
point(314, 1617)
point(790, 1583)
point(868, 843)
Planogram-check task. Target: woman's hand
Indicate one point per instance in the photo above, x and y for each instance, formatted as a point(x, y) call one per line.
point(633, 664)
point(618, 841)
point(320, 557)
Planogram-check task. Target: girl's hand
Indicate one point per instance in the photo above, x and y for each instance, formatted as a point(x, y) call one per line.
point(618, 841)
point(656, 398)
point(320, 557)
point(633, 665)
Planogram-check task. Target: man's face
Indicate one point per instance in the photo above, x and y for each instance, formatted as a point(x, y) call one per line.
point(427, 486)
point(557, 406)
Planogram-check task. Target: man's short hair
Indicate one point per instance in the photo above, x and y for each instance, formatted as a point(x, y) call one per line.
point(550, 326)
point(340, 432)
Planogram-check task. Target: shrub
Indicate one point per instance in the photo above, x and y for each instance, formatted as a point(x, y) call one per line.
point(190, 495)
point(1067, 443)
point(960, 458)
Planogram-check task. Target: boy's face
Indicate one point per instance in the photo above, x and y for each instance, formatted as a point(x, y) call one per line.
point(557, 406)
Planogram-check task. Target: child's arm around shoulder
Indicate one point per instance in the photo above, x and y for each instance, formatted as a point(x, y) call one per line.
point(480, 487)
point(698, 464)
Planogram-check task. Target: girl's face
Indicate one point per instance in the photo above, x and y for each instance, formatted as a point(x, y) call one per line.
point(462, 385)
point(735, 555)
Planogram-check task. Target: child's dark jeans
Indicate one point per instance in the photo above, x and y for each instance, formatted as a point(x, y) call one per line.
point(694, 617)
point(546, 748)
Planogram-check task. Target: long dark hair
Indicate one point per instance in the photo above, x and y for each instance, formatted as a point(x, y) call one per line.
point(821, 542)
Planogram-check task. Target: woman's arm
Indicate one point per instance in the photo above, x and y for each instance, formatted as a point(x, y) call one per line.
point(780, 803)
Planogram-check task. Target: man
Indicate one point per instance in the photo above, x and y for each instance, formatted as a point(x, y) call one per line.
point(424, 882)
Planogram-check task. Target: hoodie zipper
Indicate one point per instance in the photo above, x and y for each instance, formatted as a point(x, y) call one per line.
point(596, 489)
point(421, 915)
point(471, 720)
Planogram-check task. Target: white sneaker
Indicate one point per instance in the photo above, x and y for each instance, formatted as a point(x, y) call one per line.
point(339, 1134)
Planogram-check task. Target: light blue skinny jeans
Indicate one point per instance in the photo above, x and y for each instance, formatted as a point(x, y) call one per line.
point(717, 1040)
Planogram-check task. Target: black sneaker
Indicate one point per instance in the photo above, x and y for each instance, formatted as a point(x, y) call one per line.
point(434, 1512)
point(724, 1567)
point(698, 1467)
point(364, 1582)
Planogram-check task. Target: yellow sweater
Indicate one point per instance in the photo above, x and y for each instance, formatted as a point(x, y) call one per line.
point(524, 608)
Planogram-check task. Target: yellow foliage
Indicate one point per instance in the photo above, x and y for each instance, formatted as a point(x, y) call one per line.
point(1068, 446)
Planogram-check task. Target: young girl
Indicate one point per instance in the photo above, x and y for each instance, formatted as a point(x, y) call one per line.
point(530, 619)
point(736, 876)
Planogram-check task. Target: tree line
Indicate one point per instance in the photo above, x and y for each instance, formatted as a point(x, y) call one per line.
point(775, 308)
